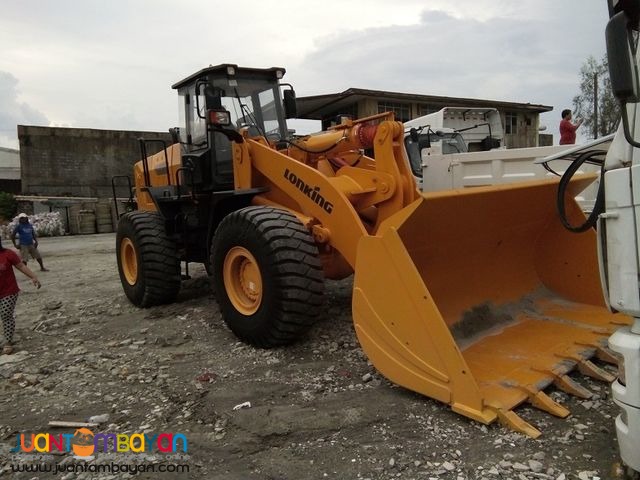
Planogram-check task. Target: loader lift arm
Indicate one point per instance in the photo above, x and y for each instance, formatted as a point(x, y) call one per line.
point(334, 204)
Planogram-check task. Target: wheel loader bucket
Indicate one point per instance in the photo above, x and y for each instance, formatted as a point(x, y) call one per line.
point(479, 298)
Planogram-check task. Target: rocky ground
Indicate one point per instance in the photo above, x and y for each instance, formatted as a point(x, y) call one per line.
point(317, 409)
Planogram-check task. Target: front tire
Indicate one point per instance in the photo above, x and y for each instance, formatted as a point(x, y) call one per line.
point(148, 264)
point(267, 276)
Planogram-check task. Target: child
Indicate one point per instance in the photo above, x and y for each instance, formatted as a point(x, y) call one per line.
point(9, 292)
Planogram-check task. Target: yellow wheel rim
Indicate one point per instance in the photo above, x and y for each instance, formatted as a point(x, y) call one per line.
point(242, 280)
point(129, 261)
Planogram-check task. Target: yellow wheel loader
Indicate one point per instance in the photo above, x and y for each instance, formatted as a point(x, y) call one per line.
point(477, 298)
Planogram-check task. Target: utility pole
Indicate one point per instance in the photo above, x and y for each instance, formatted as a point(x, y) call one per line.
point(595, 105)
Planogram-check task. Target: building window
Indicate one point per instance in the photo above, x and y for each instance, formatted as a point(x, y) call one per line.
point(402, 111)
point(510, 123)
point(427, 109)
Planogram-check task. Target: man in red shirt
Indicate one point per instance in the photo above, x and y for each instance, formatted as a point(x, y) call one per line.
point(568, 129)
point(9, 292)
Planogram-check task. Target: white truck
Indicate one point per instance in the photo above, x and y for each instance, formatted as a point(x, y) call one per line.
point(619, 224)
point(480, 128)
point(439, 144)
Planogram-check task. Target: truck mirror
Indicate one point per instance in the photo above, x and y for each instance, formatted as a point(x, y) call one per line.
point(621, 49)
point(424, 142)
point(413, 134)
point(290, 106)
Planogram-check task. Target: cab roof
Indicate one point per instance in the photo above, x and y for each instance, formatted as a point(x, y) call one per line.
point(225, 69)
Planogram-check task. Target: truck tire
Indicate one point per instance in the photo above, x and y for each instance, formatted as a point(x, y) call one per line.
point(267, 276)
point(148, 263)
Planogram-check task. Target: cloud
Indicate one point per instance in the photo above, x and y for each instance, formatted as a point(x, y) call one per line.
point(530, 55)
point(501, 58)
point(111, 64)
point(14, 112)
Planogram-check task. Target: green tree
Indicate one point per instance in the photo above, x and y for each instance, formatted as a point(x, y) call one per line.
point(608, 107)
point(8, 206)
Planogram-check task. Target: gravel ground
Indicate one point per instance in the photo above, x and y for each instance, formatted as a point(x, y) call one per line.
point(317, 409)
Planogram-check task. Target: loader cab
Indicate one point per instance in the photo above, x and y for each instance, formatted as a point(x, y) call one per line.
point(250, 97)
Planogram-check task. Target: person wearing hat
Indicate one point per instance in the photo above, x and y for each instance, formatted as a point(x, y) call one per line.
point(28, 240)
point(9, 293)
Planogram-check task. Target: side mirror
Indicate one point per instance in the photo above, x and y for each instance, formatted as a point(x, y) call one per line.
point(424, 141)
point(290, 105)
point(622, 47)
point(413, 134)
point(620, 51)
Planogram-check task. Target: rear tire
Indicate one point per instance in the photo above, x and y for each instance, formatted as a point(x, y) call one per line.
point(267, 276)
point(147, 259)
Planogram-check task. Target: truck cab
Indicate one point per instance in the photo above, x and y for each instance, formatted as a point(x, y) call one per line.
point(423, 143)
point(480, 128)
point(450, 130)
point(619, 225)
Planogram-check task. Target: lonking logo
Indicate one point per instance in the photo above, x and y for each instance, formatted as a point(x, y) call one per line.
point(312, 192)
point(84, 443)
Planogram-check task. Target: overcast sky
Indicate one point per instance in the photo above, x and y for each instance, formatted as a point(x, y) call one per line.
point(110, 65)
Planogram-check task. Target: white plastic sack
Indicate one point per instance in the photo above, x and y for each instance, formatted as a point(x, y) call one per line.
point(45, 224)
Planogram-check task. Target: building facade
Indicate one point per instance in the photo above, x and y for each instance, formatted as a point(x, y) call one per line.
point(521, 121)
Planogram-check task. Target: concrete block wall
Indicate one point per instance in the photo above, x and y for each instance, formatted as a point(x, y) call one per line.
point(59, 161)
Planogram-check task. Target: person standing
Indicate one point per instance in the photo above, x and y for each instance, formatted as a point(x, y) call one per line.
point(9, 293)
point(568, 129)
point(28, 240)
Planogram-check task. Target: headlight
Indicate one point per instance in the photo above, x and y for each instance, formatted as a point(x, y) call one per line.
point(219, 117)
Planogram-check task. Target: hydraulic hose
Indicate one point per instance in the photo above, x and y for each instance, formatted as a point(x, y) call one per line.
point(598, 206)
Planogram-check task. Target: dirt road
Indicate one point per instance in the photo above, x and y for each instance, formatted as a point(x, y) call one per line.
point(317, 409)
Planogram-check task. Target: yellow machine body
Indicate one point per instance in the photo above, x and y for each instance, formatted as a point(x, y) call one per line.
point(162, 166)
point(478, 298)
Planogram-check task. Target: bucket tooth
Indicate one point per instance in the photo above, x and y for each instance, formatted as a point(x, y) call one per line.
point(544, 402)
point(604, 354)
point(512, 420)
point(588, 368)
point(565, 383)
point(570, 386)
point(601, 352)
